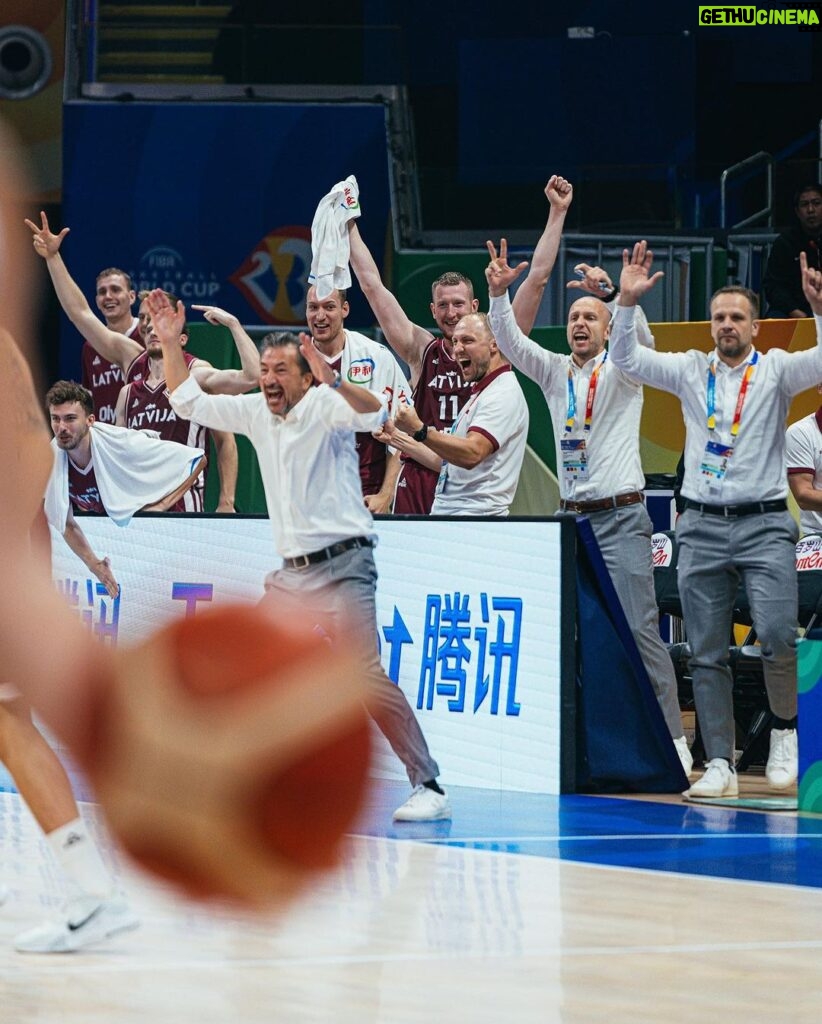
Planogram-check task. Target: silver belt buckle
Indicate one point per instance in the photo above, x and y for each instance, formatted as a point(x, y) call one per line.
point(297, 564)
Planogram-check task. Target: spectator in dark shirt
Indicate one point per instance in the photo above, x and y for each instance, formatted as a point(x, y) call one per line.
point(783, 280)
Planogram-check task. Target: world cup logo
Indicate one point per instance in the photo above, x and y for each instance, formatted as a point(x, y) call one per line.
point(273, 278)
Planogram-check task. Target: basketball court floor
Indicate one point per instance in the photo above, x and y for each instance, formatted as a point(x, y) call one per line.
point(524, 908)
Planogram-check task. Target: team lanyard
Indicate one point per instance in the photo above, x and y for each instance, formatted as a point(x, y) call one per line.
point(570, 416)
point(740, 398)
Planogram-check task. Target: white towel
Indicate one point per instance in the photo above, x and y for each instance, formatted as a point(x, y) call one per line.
point(330, 249)
point(132, 470)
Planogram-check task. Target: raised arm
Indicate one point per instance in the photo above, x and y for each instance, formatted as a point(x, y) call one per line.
point(99, 567)
point(523, 353)
point(117, 348)
point(527, 300)
point(231, 382)
point(803, 369)
point(408, 340)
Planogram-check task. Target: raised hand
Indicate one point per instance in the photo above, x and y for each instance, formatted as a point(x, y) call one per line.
point(636, 278)
point(323, 374)
point(167, 321)
point(811, 284)
point(46, 243)
point(498, 274)
point(560, 192)
point(591, 279)
point(218, 316)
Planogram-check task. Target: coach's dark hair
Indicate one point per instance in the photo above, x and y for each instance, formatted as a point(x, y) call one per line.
point(285, 339)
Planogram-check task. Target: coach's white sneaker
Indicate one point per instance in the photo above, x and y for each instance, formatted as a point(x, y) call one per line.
point(719, 780)
point(85, 923)
point(424, 804)
point(782, 768)
point(685, 756)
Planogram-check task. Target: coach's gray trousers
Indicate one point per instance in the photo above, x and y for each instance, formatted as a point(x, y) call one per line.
point(344, 589)
point(714, 554)
point(624, 538)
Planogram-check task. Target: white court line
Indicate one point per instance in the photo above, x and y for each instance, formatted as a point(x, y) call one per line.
point(137, 964)
point(460, 840)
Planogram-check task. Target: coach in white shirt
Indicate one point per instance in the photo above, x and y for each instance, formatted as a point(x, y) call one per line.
point(595, 410)
point(482, 453)
point(304, 440)
point(735, 523)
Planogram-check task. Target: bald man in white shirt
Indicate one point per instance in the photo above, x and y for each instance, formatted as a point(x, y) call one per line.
point(595, 411)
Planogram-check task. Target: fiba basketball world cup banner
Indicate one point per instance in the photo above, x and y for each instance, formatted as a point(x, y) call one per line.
point(214, 202)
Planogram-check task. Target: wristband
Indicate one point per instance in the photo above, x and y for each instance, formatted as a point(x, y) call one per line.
point(611, 297)
point(337, 380)
point(421, 434)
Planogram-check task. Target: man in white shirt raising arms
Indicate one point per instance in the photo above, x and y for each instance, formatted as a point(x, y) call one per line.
point(735, 524)
point(595, 410)
point(303, 436)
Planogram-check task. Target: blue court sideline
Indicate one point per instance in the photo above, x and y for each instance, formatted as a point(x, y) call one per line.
point(721, 842)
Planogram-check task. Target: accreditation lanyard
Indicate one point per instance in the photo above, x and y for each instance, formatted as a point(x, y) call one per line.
point(740, 398)
point(571, 414)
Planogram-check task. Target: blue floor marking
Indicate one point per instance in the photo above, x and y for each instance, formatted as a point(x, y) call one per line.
point(720, 842)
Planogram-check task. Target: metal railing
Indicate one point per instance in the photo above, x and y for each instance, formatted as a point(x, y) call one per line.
point(750, 253)
point(744, 165)
point(669, 301)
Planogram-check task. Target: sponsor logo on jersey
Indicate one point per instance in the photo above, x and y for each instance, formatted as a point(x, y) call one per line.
point(361, 370)
point(273, 278)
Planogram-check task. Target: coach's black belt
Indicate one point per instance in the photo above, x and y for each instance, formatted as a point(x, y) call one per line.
point(752, 508)
point(581, 508)
point(303, 561)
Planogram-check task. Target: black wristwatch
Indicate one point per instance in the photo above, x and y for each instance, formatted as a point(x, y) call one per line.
point(421, 434)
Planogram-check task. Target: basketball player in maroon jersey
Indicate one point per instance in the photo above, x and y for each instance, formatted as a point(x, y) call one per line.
point(114, 296)
point(136, 362)
point(439, 388)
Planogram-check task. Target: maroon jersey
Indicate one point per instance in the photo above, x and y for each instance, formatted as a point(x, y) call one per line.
point(104, 379)
point(84, 494)
point(371, 453)
point(439, 394)
point(148, 407)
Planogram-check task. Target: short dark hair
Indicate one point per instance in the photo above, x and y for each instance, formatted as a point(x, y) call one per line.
point(812, 186)
point(450, 278)
point(70, 391)
point(285, 339)
point(111, 271)
point(737, 289)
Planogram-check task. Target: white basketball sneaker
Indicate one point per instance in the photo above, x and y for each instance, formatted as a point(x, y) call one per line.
point(86, 922)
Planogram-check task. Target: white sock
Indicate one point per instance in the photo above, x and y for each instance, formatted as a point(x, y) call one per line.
point(78, 856)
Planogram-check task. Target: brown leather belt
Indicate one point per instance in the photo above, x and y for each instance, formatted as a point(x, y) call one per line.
point(582, 508)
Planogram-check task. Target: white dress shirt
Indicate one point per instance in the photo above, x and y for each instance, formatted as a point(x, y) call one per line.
point(756, 470)
point(612, 443)
point(307, 460)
